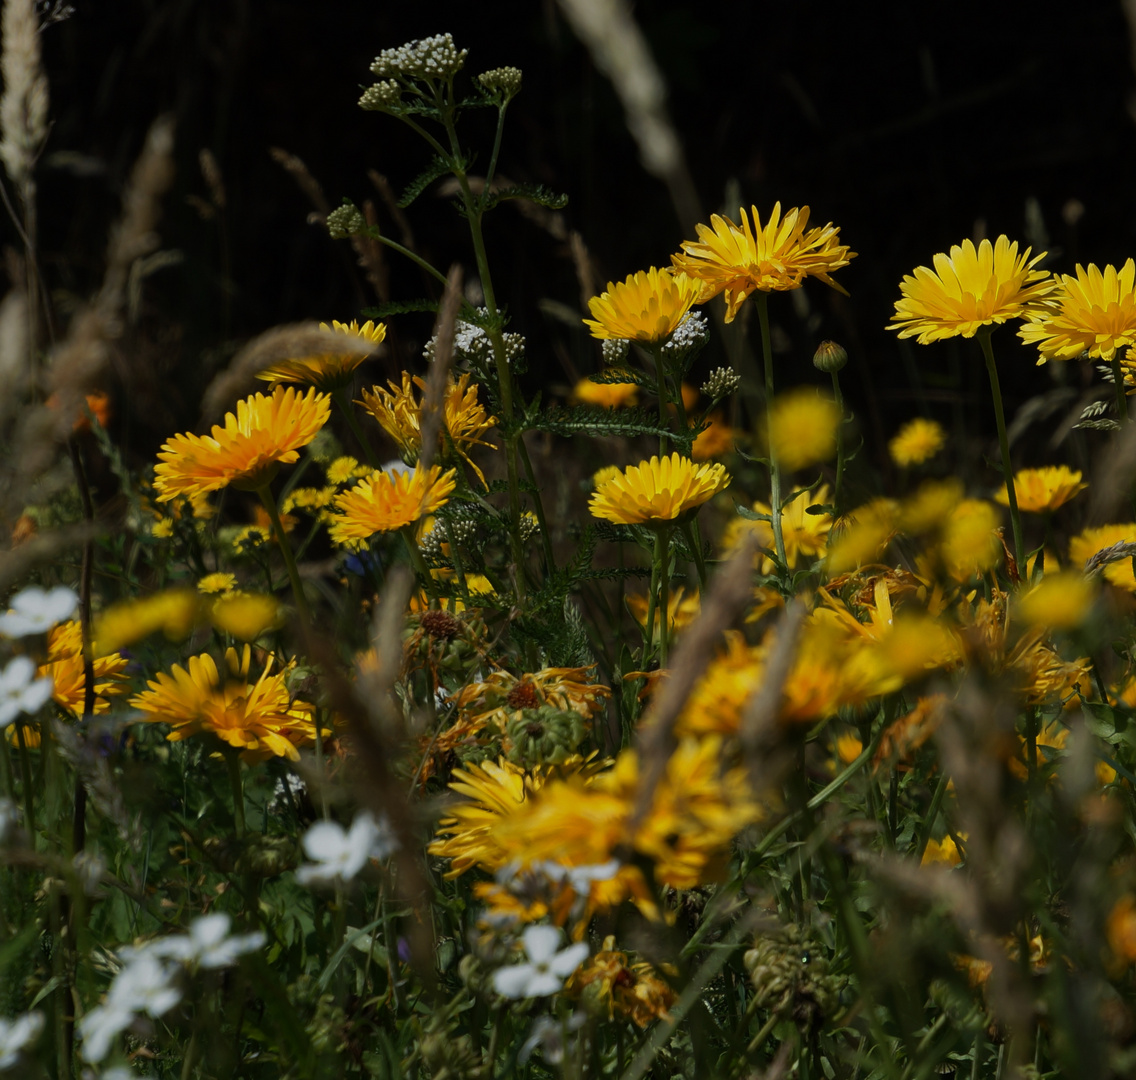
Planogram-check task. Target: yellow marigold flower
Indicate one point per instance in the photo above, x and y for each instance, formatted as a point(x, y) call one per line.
point(602, 476)
point(399, 412)
point(1088, 543)
point(163, 529)
point(646, 307)
point(309, 499)
point(611, 985)
point(916, 442)
point(802, 429)
point(386, 501)
point(682, 610)
point(778, 255)
point(1041, 491)
point(867, 532)
point(805, 534)
point(970, 288)
point(1057, 602)
point(848, 748)
point(219, 583)
point(246, 615)
point(1093, 312)
point(502, 695)
point(329, 371)
point(971, 544)
point(260, 719)
point(943, 852)
point(64, 664)
point(263, 433)
point(715, 440)
point(609, 395)
point(931, 506)
point(250, 537)
point(657, 490)
point(173, 611)
point(344, 469)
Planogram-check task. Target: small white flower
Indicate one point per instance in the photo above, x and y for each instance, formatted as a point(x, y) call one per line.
point(17, 1035)
point(145, 984)
point(99, 1027)
point(339, 853)
point(546, 970)
point(35, 611)
point(208, 944)
point(548, 1034)
point(20, 692)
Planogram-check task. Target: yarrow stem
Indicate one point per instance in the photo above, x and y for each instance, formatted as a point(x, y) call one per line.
point(269, 502)
point(774, 466)
point(1003, 445)
point(1121, 396)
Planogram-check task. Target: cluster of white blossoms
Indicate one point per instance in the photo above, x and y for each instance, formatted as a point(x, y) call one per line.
point(472, 344)
point(150, 982)
point(339, 854)
point(427, 58)
point(692, 333)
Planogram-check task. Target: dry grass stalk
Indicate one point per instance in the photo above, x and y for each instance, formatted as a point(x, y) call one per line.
point(435, 395)
point(307, 183)
point(1113, 474)
point(390, 201)
point(24, 102)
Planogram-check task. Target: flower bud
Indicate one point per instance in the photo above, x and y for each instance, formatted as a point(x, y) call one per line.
point(829, 357)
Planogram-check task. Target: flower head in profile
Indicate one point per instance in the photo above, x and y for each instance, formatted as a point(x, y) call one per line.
point(330, 371)
point(385, 501)
point(916, 442)
point(64, 666)
point(1092, 542)
point(802, 428)
point(261, 719)
point(659, 490)
point(646, 307)
point(968, 289)
point(740, 259)
point(1093, 312)
point(545, 968)
point(1041, 491)
point(246, 450)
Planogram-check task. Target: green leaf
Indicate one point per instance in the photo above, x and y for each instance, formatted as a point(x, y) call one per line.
point(400, 307)
point(536, 193)
point(597, 421)
point(437, 168)
point(621, 375)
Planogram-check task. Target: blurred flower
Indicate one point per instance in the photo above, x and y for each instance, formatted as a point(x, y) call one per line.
point(916, 441)
point(1093, 312)
point(263, 433)
point(1093, 541)
point(96, 404)
point(260, 719)
point(339, 854)
point(866, 532)
point(1041, 491)
point(970, 288)
point(682, 610)
point(944, 852)
point(329, 371)
point(35, 611)
point(384, 501)
point(208, 944)
point(173, 611)
point(602, 476)
point(646, 307)
point(217, 584)
point(64, 666)
point(930, 508)
point(546, 968)
point(805, 533)
point(344, 469)
point(18, 1035)
point(1058, 602)
point(970, 543)
point(145, 984)
point(802, 429)
point(778, 255)
point(1121, 929)
point(609, 395)
point(246, 615)
point(657, 490)
point(612, 985)
point(715, 440)
point(502, 696)
point(20, 691)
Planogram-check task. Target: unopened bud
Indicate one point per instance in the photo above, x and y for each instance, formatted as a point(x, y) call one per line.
point(720, 383)
point(344, 221)
point(829, 357)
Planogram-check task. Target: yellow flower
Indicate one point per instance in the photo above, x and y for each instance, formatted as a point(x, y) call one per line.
point(260, 719)
point(916, 441)
point(163, 529)
point(802, 429)
point(657, 490)
point(970, 288)
point(1122, 930)
point(717, 438)
point(399, 413)
point(246, 615)
point(217, 583)
point(1088, 543)
point(971, 544)
point(682, 610)
point(805, 534)
point(264, 433)
point(1093, 312)
point(386, 501)
point(64, 665)
point(602, 476)
point(647, 307)
point(944, 852)
point(344, 469)
point(1041, 491)
point(780, 254)
point(612, 985)
point(866, 532)
point(931, 506)
point(502, 695)
point(329, 371)
point(173, 611)
point(609, 395)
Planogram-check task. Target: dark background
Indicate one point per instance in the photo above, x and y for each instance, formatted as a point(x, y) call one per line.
point(909, 125)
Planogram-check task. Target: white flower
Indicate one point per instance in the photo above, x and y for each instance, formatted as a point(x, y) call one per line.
point(579, 877)
point(99, 1027)
point(35, 611)
point(19, 693)
point(397, 467)
point(340, 854)
point(546, 970)
point(145, 984)
point(549, 1034)
point(207, 945)
point(17, 1035)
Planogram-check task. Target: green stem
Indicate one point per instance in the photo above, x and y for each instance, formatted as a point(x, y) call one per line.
point(1003, 445)
point(652, 599)
point(774, 466)
point(419, 563)
point(496, 144)
point(663, 554)
point(839, 442)
point(932, 814)
point(661, 391)
point(269, 502)
point(1121, 396)
point(26, 781)
point(538, 508)
point(394, 245)
point(236, 784)
point(694, 542)
point(343, 400)
point(6, 767)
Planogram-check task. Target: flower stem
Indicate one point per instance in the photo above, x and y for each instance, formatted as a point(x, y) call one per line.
point(839, 442)
point(419, 563)
point(26, 782)
point(663, 558)
point(774, 466)
point(1121, 396)
point(233, 760)
point(269, 502)
point(343, 400)
point(694, 542)
point(661, 384)
point(1003, 445)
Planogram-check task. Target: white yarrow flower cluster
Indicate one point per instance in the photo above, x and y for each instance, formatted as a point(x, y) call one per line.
point(20, 691)
point(35, 611)
point(720, 383)
point(692, 333)
point(339, 854)
point(427, 58)
point(17, 1035)
point(149, 982)
point(615, 350)
point(472, 345)
point(546, 968)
